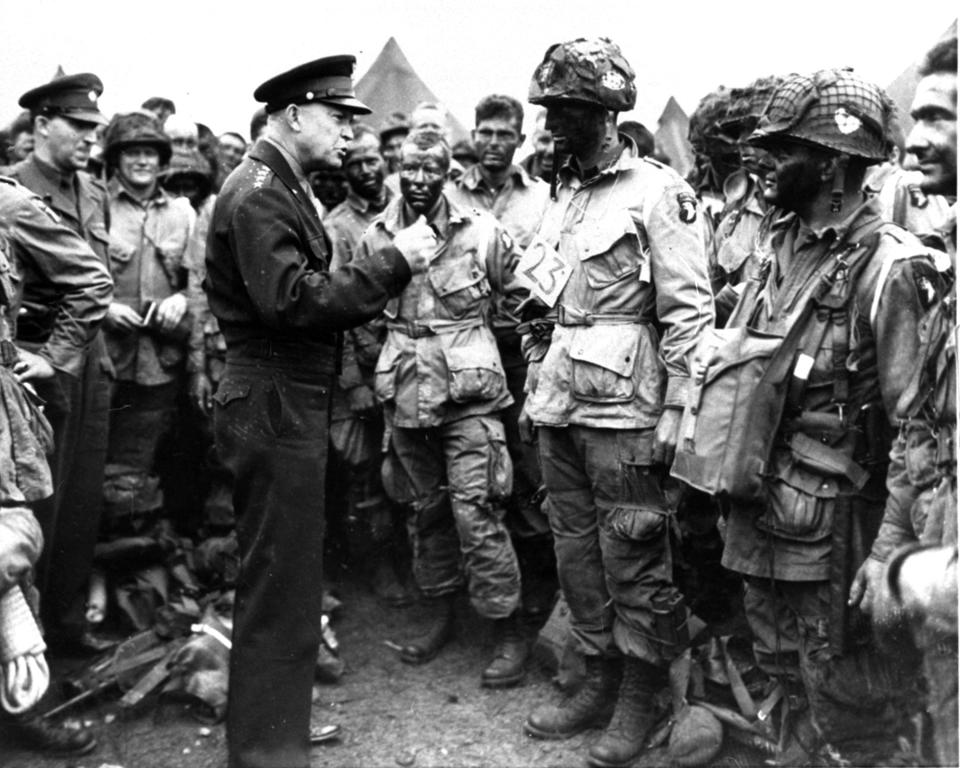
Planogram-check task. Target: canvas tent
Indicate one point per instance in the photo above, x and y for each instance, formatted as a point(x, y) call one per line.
point(902, 88)
point(392, 85)
point(671, 136)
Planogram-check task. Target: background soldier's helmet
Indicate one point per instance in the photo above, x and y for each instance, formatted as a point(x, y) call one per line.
point(587, 71)
point(706, 132)
point(832, 108)
point(138, 128)
point(747, 104)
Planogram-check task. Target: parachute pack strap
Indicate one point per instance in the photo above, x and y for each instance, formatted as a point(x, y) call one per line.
point(485, 230)
point(833, 312)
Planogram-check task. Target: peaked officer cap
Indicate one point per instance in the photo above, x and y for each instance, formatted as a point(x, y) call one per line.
point(73, 96)
point(327, 80)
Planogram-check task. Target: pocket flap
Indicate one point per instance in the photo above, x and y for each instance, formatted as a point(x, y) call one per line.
point(455, 277)
point(388, 359)
point(119, 251)
point(614, 347)
point(228, 391)
point(598, 236)
point(810, 483)
point(483, 356)
point(725, 348)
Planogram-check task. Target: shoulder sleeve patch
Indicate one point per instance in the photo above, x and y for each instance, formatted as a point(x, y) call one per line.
point(688, 207)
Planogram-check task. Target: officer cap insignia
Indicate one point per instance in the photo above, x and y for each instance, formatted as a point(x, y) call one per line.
point(846, 123)
point(71, 96)
point(688, 207)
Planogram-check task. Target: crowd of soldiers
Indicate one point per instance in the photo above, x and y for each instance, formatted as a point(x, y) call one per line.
point(493, 376)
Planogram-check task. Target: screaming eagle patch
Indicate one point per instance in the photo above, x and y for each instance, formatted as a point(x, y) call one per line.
point(688, 207)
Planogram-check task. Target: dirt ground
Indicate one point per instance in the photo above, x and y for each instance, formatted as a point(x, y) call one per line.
point(392, 714)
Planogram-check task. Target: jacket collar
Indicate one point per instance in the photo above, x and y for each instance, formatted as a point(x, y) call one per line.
point(627, 160)
point(268, 153)
point(472, 178)
point(848, 229)
point(449, 215)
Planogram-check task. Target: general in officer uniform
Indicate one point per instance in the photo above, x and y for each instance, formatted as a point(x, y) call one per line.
point(65, 121)
point(282, 312)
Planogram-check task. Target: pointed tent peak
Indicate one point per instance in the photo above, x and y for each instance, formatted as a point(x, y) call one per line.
point(672, 111)
point(59, 73)
point(671, 136)
point(392, 85)
point(902, 88)
point(391, 57)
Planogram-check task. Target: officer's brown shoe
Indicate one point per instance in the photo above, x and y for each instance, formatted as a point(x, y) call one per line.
point(590, 706)
point(635, 714)
point(509, 655)
point(440, 632)
point(42, 735)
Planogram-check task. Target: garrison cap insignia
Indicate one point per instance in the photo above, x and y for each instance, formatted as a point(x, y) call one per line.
point(688, 207)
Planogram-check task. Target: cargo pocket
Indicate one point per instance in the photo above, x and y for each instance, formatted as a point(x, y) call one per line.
point(119, 252)
point(460, 285)
point(385, 373)
point(230, 391)
point(799, 504)
point(637, 523)
point(610, 250)
point(920, 455)
point(474, 373)
point(604, 362)
point(499, 464)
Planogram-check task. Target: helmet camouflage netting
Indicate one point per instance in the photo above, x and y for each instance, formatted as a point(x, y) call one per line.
point(589, 71)
point(832, 108)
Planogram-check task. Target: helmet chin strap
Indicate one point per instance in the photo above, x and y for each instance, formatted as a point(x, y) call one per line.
point(839, 182)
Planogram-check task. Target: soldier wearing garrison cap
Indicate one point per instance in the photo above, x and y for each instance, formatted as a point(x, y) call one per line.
point(620, 252)
point(282, 312)
point(66, 118)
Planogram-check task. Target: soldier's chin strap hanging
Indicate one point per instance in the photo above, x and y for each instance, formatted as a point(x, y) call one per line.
point(839, 182)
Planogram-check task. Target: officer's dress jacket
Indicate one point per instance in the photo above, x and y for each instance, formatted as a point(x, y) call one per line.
point(80, 202)
point(268, 260)
point(39, 252)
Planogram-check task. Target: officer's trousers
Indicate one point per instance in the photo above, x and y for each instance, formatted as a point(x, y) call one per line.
point(610, 521)
point(78, 410)
point(271, 423)
point(458, 475)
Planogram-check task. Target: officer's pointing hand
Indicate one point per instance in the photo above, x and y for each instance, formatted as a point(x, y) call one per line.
point(417, 244)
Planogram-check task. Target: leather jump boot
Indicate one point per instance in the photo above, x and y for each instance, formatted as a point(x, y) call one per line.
point(42, 735)
point(438, 634)
point(591, 705)
point(634, 716)
point(508, 666)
